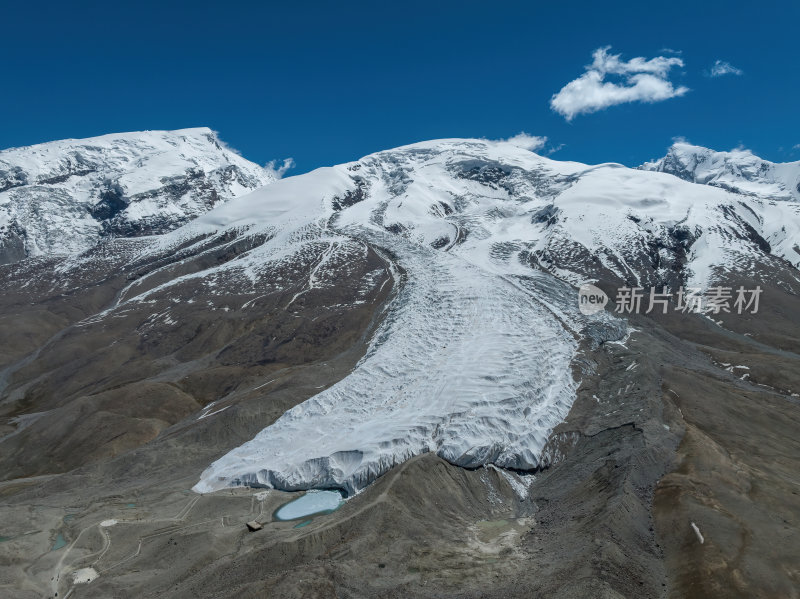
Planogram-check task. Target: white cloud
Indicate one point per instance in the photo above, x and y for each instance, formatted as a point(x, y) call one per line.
point(721, 68)
point(796, 147)
point(639, 80)
point(610, 63)
point(526, 141)
point(279, 171)
point(555, 149)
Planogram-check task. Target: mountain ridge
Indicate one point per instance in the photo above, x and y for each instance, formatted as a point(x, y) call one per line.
point(737, 170)
point(60, 197)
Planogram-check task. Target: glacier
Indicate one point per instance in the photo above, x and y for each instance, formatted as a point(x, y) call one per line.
point(486, 241)
point(471, 360)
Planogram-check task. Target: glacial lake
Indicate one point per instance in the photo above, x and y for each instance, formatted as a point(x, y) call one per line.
point(310, 504)
point(60, 542)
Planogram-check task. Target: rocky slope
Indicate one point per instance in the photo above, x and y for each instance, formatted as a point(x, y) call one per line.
point(62, 197)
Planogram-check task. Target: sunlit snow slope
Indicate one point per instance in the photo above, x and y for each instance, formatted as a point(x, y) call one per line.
point(61, 197)
point(473, 359)
point(738, 170)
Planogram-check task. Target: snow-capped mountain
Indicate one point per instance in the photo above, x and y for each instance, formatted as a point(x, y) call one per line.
point(335, 327)
point(485, 242)
point(394, 317)
point(740, 171)
point(61, 197)
point(472, 361)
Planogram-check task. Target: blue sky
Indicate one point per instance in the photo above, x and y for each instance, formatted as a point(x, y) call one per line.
point(326, 83)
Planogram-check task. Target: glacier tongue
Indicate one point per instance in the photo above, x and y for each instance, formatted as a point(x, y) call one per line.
point(470, 361)
point(465, 364)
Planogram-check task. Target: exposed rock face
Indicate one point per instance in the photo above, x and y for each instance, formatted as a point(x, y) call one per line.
point(62, 197)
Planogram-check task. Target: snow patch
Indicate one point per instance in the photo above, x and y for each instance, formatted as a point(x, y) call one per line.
point(84, 575)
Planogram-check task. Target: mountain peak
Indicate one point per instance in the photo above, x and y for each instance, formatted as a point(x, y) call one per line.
point(63, 196)
point(738, 170)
